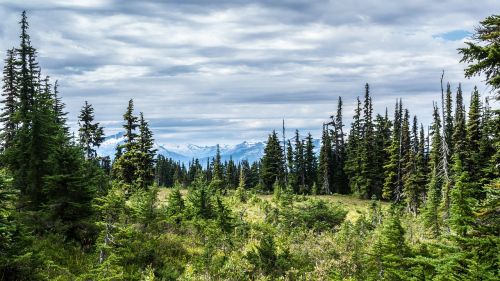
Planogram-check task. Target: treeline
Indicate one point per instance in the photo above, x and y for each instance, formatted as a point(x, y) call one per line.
point(170, 173)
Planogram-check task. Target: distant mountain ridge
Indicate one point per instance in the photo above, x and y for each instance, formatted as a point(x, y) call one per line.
point(250, 151)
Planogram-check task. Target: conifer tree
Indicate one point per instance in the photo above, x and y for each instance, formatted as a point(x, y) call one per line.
point(310, 163)
point(126, 165)
point(38, 134)
point(91, 135)
point(70, 187)
point(130, 126)
point(422, 166)
point(393, 180)
point(59, 108)
point(459, 134)
point(462, 201)
point(353, 163)
point(412, 176)
point(175, 205)
point(231, 174)
point(382, 140)
point(217, 181)
point(299, 162)
point(217, 165)
point(448, 121)
point(272, 163)
point(430, 213)
point(339, 178)
point(484, 53)
point(487, 142)
point(405, 157)
point(146, 158)
point(325, 163)
point(367, 169)
point(10, 100)
point(473, 138)
point(292, 174)
point(389, 252)
point(242, 181)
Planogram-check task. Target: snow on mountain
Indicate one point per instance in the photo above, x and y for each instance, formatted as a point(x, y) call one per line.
point(251, 151)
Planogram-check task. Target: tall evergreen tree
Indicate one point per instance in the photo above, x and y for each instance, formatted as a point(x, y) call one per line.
point(325, 163)
point(487, 142)
point(299, 163)
point(367, 171)
point(311, 165)
point(448, 121)
point(459, 141)
point(91, 135)
point(292, 174)
point(431, 214)
point(473, 137)
point(353, 163)
point(339, 178)
point(393, 180)
point(272, 163)
point(382, 140)
point(145, 165)
point(412, 174)
point(10, 100)
point(126, 166)
point(217, 165)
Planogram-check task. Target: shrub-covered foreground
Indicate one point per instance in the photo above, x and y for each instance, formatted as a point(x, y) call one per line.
point(198, 234)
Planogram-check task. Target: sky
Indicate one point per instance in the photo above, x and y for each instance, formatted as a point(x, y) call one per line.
point(207, 72)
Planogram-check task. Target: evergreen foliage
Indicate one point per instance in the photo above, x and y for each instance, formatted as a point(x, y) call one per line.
point(90, 134)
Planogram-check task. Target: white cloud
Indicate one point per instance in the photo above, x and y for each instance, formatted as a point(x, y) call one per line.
point(246, 65)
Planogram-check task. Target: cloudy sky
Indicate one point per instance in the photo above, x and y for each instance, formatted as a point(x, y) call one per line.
point(207, 72)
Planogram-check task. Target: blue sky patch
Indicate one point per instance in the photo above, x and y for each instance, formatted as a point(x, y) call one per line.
point(453, 35)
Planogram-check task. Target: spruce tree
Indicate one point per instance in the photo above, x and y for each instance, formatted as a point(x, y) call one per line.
point(125, 167)
point(405, 147)
point(300, 167)
point(353, 163)
point(91, 135)
point(389, 252)
point(325, 163)
point(382, 140)
point(393, 180)
point(431, 216)
point(292, 174)
point(462, 201)
point(311, 165)
point(411, 176)
point(59, 106)
point(487, 142)
point(339, 178)
point(473, 137)
point(217, 181)
point(459, 135)
point(145, 163)
point(448, 122)
point(272, 163)
point(367, 169)
point(217, 165)
point(10, 100)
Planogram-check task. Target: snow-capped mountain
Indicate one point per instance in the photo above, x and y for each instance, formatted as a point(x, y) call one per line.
point(251, 151)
